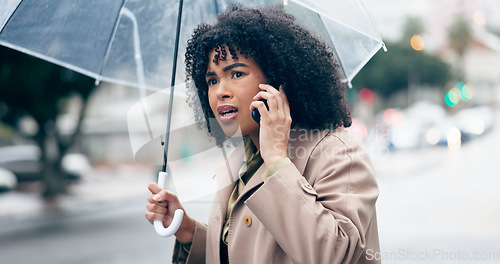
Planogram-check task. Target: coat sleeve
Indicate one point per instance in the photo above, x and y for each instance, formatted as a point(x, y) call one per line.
point(196, 253)
point(325, 218)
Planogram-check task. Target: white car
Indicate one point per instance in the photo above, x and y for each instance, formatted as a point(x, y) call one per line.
point(26, 164)
point(8, 181)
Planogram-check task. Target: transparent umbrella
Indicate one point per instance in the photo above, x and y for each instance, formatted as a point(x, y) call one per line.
point(136, 43)
point(128, 42)
point(345, 25)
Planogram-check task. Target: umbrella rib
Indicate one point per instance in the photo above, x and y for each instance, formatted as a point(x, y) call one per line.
point(10, 16)
point(336, 53)
point(50, 59)
point(110, 41)
point(321, 14)
point(216, 7)
point(373, 25)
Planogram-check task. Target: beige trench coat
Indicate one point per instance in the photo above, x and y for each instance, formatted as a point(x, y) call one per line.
point(319, 209)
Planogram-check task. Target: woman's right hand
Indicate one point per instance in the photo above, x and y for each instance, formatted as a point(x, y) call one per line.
point(162, 205)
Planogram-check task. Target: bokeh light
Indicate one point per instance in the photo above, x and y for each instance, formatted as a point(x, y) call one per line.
point(454, 138)
point(358, 129)
point(479, 18)
point(366, 96)
point(417, 42)
point(466, 92)
point(433, 136)
point(477, 127)
point(452, 97)
point(392, 117)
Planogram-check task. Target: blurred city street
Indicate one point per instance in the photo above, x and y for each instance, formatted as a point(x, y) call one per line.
point(432, 202)
point(428, 111)
point(101, 221)
point(437, 199)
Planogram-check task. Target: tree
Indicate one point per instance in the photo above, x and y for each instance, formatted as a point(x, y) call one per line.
point(402, 67)
point(32, 87)
point(413, 26)
point(390, 73)
point(460, 37)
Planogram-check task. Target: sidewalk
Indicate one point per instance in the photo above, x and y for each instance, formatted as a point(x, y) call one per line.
point(100, 189)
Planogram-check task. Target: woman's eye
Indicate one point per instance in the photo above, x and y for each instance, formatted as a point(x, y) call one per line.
point(237, 74)
point(212, 82)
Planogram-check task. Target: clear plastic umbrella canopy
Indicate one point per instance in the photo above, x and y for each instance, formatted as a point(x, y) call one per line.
point(132, 42)
point(136, 43)
point(345, 25)
point(128, 42)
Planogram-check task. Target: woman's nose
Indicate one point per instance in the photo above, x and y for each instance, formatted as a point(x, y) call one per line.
point(224, 90)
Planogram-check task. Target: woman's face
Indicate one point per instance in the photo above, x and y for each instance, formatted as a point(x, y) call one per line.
point(232, 84)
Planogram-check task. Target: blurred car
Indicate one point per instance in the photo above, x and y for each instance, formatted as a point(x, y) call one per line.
point(475, 121)
point(406, 128)
point(446, 133)
point(467, 124)
point(24, 161)
point(407, 134)
point(8, 180)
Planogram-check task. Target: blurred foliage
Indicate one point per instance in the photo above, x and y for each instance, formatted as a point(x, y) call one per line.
point(460, 37)
point(493, 30)
point(39, 89)
point(401, 66)
point(33, 87)
point(412, 26)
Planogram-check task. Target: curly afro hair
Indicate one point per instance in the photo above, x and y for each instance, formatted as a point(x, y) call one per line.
point(286, 53)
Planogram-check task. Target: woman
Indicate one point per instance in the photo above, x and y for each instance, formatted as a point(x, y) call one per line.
point(307, 191)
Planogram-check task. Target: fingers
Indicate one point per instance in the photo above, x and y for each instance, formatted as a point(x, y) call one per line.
point(276, 100)
point(258, 105)
point(272, 96)
point(152, 216)
point(151, 200)
point(154, 188)
point(156, 208)
point(161, 205)
point(286, 105)
point(159, 195)
point(268, 93)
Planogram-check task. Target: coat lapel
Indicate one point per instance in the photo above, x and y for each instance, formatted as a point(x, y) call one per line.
point(302, 143)
point(255, 180)
point(226, 175)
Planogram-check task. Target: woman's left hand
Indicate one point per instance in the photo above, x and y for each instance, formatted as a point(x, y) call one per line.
point(275, 123)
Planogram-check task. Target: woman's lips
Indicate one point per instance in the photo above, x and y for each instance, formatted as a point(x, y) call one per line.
point(227, 113)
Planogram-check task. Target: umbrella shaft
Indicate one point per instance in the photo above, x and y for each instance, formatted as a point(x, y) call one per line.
point(172, 84)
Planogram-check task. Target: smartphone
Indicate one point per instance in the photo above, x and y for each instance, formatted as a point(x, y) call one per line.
point(255, 112)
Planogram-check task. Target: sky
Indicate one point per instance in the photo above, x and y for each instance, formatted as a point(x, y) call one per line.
point(389, 15)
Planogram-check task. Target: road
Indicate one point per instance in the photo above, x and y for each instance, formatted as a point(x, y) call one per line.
point(117, 233)
point(441, 206)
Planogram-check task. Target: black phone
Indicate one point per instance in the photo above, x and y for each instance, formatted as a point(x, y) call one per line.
point(255, 112)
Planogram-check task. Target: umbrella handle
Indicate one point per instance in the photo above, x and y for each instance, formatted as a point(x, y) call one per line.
point(178, 214)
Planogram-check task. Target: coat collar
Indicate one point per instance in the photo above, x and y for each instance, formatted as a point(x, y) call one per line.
point(301, 144)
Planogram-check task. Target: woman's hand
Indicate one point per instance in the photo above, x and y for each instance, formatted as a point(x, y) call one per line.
point(274, 124)
point(162, 205)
